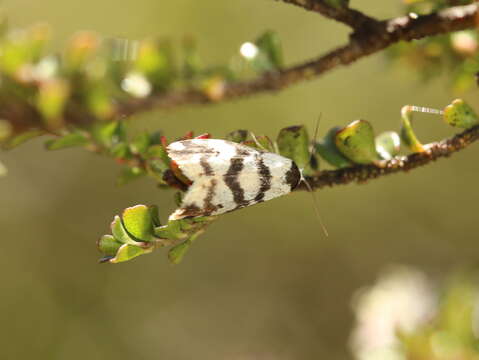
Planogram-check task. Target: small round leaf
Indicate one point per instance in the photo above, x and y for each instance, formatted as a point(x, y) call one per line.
point(460, 114)
point(356, 142)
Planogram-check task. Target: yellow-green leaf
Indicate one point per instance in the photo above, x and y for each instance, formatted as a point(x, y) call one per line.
point(460, 114)
point(356, 142)
point(127, 252)
point(326, 147)
point(138, 222)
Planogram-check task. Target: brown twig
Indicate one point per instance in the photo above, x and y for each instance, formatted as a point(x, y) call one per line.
point(363, 173)
point(387, 33)
point(351, 17)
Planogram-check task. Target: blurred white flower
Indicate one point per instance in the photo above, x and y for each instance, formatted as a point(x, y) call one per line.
point(45, 69)
point(464, 42)
point(249, 50)
point(402, 299)
point(136, 84)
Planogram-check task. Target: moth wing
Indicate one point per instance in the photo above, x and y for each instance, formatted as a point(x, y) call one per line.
point(228, 176)
point(199, 157)
point(206, 163)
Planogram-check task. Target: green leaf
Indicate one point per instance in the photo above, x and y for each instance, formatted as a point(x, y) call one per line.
point(194, 227)
point(388, 144)
point(293, 143)
point(176, 253)
point(158, 151)
point(129, 174)
point(237, 136)
point(109, 133)
point(134, 234)
point(329, 152)
point(156, 169)
point(119, 232)
point(127, 252)
point(407, 132)
point(108, 245)
point(155, 218)
point(155, 61)
point(172, 230)
point(69, 140)
point(183, 229)
point(356, 142)
point(121, 150)
point(140, 143)
point(460, 114)
point(269, 44)
point(155, 137)
point(158, 161)
point(138, 222)
point(265, 54)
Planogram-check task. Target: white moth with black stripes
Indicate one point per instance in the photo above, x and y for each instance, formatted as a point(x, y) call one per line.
point(227, 176)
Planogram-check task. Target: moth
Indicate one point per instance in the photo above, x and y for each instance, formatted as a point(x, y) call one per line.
point(227, 176)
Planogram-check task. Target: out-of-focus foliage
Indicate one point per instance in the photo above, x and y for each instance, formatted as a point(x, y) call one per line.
point(407, 316)
point(88, 82)
point(455, 54)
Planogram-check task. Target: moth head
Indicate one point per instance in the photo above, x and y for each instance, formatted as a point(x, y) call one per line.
point(294, 176)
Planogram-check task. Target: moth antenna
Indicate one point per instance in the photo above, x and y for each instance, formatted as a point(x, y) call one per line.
point(315, 136)
point(424, 109)
point(255, 139)
point(308, 185)
point(315, 204)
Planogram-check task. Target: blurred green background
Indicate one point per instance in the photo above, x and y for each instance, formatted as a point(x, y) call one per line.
point(263, 282)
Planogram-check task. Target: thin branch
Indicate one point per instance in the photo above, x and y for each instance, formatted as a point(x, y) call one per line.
point(362, 44)
point(351, 17)
point(363, 173)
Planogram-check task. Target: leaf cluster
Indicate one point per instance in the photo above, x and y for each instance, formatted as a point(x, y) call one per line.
point(454, 54)
point(91, 80)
